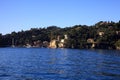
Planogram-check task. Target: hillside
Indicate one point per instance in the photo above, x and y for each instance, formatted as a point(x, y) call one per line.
point(102, 35)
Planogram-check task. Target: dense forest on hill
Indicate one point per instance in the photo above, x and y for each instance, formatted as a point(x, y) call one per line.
point(102, 35)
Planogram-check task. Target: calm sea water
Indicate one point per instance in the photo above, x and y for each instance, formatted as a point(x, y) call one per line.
point(59, 64)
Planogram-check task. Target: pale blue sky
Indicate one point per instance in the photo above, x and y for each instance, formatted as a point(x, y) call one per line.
point(16, 15)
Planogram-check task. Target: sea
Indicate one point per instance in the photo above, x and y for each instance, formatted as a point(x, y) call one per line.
point(59, 64)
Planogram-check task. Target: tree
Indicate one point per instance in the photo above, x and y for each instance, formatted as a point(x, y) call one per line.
point(0, 39)
point(117, 44)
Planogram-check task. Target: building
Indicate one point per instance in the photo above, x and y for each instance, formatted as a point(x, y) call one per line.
point(118, 32)
point(37, 43)
point(53, 44)
point(65, 36)
point(61, 43)
point(58, 38)
point(58, 42)
point(90, 40)
point(101, 33)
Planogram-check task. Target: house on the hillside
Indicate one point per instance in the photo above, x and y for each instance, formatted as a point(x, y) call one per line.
point(53, 44)
point(61, 43)
point(37, 43)
point(58, 43)
point(90, 40)
point(65, 36)
point(91, 43)
point(101, 33)
point(118, 32)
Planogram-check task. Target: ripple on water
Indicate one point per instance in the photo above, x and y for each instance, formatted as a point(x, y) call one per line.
point(59, 64)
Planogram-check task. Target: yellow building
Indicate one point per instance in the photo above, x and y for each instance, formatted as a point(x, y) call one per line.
point(53, 44)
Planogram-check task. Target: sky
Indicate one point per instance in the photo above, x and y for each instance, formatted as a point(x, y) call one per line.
point(17, 15)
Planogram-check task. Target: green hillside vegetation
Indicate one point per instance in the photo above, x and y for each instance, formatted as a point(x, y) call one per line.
point(102, 35)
